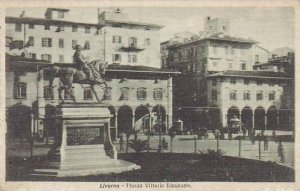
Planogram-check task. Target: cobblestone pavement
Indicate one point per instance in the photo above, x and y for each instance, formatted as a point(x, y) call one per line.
point(186, 144)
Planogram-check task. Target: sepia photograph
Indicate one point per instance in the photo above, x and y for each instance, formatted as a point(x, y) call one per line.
point(149, 97)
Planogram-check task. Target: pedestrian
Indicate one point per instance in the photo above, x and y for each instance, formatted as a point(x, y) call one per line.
point(229, 135)
point(280, 149)
point(252, 139)
point(121, 142)
point(266, 143)
point(163, 142)
point(282, 157)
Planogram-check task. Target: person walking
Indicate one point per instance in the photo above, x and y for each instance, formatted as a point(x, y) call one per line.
point(163, 142)
point(280, 149)
point(121, 142)
point(266, 143)
point(282, 157)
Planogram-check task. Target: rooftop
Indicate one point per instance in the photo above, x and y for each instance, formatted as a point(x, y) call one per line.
point(43, 21)
point(251, 74)
point(217, 38)
point(134, 23)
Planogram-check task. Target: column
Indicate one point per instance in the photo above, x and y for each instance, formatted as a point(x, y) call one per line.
point(266, 119)
point(224, 118)
point(133, 121)
point(277, 119)
point(170, 103)
point(116, 125)
point(253, 119)
point(41, 101)
point(150, 121)
point(32, 124)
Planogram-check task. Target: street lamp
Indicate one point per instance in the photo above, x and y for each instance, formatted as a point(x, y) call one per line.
point(159, 128)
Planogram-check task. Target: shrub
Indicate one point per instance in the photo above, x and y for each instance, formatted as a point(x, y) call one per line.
point(212, 154)
point(138, 145)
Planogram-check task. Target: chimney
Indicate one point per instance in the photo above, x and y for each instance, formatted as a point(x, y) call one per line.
point(118, 10)
point(22, 14)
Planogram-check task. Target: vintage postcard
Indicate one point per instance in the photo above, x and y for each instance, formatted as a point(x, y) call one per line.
point(183, 95)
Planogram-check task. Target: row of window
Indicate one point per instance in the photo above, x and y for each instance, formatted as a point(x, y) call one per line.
point(47, 57)
point(20, 91)
point(243, 66)
point(229, 50)
point(246, 95)
point(47, 42)
point(132, 58)
point(132, 41)
point(61, 27)
point(233, 81)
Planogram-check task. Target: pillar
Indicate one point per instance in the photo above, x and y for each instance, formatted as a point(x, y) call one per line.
point(32, 124)
point(133, 121)
point(41, 101)
point(116, 125)
point(266, 119)
point(253, 112)
point(277, 120)
point(224, 117)
point(169, 103)
point(150, 121)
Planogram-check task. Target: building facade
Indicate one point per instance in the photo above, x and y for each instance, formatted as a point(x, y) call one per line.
point(115, 38)
point(218, 81)
point(139, 93)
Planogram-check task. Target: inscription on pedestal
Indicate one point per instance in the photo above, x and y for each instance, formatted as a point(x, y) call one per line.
point(85, 135)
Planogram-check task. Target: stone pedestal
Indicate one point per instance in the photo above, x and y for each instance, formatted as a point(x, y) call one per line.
point(83, 144)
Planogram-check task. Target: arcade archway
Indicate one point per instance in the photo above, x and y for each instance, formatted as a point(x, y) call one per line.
point(232, 111)
point(272, 118)
point(247, 117)
point(142, 119)
point(215, 118)
point(124, 119)
point(259, 118)
point(19, 121)
point(160, 118)
point(285, 119)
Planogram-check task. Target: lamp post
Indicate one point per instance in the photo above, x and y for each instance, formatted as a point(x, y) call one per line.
point(159, 128)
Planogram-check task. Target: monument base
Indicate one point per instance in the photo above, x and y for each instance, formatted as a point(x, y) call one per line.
point(83, 145)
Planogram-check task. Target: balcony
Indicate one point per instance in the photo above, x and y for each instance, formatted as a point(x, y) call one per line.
point(131, 48)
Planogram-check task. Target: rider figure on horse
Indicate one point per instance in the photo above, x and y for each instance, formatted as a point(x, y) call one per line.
point(81, 64)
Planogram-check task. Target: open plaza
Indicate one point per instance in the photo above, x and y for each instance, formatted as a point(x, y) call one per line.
point(109, 100)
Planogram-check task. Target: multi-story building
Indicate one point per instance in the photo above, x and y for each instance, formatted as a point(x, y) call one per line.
point(129, 42)
point(115, 38)
point(52, 38)
point(139, 93)
point(218, 78)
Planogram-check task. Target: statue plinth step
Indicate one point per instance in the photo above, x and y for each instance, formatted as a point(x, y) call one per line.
point(121, 166)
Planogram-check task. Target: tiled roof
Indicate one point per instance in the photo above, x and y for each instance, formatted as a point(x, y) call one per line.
point(134, 23)
point(216, 37)
point(137, 68)
point(250, 74)
point(230, 38)
point(42, 21)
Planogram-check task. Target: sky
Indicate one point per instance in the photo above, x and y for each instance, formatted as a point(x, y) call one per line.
point(272, 27)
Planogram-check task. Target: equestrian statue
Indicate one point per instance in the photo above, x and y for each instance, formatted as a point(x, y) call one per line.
point(82, 72)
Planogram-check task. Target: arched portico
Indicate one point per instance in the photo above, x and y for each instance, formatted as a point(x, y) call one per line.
point(142, 118)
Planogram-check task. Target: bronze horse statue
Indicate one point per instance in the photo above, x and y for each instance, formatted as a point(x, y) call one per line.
point(70, 75)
